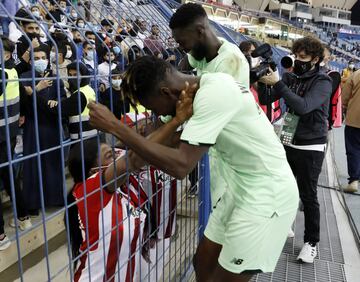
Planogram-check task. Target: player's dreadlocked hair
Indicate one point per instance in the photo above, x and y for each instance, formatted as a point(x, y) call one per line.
point(143, 77)
point(186, 15)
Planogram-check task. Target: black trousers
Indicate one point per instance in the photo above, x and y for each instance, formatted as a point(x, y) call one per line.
point(306, 166)
point(5, 178)
point(352, 146)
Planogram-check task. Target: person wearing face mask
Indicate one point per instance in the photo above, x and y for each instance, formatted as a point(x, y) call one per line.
point(12, 98)
point(23, 49)
point(307, 93)
point(90, 61)
point(37, 123)
point(113, 96)
point(70, 105)
point(80, 23)
point(59, 62)
point(69, 51)
point(36, 12)
point(105, 69)
point(73, 15)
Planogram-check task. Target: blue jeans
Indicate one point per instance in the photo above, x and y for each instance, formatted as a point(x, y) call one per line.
point(352, 146)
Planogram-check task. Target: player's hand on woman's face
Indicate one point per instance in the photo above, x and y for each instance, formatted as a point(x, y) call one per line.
point(101, 117)
point(184, 106)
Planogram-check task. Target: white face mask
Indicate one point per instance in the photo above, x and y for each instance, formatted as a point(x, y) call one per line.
point(81, 25)
point(36, 14)
point(68, 54)
point(90, 56)
point(74, 15)
point(255, 62)
point(351, 66)
point(116, 83)
point(41, 65)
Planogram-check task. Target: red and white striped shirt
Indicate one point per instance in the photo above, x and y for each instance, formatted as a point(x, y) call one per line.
point(158, 189)
point(114, 227)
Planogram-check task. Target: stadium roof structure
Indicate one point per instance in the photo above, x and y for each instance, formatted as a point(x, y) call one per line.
point(261, 5)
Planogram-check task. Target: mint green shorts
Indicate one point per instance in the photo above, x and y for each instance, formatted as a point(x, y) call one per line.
point(249, 242)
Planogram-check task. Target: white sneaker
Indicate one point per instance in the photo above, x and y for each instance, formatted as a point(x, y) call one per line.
point(307, 253)
point(23, 224)
point(352, 187)
point(5, 243)
point(291, 233)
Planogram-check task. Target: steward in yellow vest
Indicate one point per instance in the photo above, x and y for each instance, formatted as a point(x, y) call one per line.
point(74, 107)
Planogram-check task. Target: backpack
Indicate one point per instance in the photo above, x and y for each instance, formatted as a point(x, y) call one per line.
point(335, 111)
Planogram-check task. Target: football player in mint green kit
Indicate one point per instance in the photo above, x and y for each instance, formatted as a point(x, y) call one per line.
point(207, 53)
point(248, 227)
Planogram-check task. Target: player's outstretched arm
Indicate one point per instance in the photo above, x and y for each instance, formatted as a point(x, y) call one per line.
point(176, 162)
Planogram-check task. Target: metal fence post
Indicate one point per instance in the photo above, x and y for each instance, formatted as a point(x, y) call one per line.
point(204, 195)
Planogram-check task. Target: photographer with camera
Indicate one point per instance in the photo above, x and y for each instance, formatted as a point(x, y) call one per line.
point(261, 61)
point(307, 93)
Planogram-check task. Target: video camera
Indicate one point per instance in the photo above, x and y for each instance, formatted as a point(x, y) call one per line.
point(264, 51)
point(287, 62)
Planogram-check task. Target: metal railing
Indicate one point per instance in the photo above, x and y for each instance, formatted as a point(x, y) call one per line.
point(176, 255)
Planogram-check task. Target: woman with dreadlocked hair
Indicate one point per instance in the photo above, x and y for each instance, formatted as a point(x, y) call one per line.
point(248, 226)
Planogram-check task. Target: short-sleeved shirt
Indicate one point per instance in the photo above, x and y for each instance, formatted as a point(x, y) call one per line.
point(229, 60)
point(232, 61)
point(250, 157)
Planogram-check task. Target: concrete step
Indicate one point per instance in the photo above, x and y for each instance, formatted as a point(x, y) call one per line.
point(31, 239)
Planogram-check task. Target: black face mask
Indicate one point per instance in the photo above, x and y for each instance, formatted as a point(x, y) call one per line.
point(33, 35)
point(77, 40)
point(301, 67)
point(73, 83)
